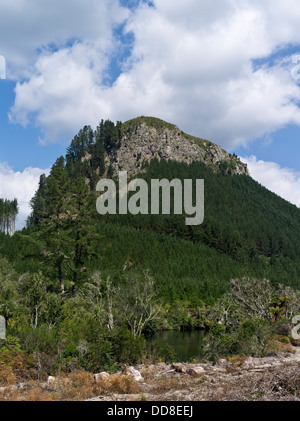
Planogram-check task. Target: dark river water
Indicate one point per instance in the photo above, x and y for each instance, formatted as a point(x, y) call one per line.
point(186, 345)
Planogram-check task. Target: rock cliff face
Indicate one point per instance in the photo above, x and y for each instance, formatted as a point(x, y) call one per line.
point(145, 138)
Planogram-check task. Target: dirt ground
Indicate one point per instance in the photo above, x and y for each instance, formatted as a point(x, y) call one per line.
point(275, 378)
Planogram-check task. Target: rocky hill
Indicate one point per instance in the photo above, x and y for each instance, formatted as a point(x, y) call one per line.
point(145, 138)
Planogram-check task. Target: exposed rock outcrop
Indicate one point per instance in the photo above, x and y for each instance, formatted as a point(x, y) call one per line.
point(146, 138)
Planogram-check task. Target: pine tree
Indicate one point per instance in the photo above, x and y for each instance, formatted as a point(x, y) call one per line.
point(81, 235)
point(98, 160)
point(66, 235)
point(8, 214)
point(49, 238)
point(38, 202)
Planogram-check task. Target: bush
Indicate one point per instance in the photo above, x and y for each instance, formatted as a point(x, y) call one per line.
point(78, 385)
point(249, 337)
point(123, 385)
point(7, 376)
point(126, 348)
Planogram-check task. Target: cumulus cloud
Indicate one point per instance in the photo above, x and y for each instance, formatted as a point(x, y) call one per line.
point(282, 181)
point(191, 63)
point(27, 29)
point(63, 95)
point(20, 185)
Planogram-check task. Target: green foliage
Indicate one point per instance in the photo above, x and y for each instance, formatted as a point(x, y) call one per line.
point(154, 122)
point(126, 348)
point(243, 220)
point(56, 303)
point(65, 236)
point(8, 294)
point(249, 337)
point(38, 202)
point(167, 353)
point(11, 346)
point(8, 213)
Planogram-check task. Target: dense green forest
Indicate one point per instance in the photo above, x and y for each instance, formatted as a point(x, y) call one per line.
point(87, 287)
point(244, 221)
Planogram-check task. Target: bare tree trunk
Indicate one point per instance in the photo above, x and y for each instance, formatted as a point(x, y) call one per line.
point(111, 324)
point(36, 317)
point(74, 284)
point(61, 281)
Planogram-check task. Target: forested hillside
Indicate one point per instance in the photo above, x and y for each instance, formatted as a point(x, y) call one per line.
point(244, 222)
point(88, 286)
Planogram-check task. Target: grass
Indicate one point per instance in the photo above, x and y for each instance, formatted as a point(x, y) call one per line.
point(150, 122)
point(76, 386)
point(158, 124)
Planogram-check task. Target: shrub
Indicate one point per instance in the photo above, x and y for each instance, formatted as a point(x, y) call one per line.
point(38, 395)
point(121, 384)
point(78, 385)
point(7, 376)
point(126, 348)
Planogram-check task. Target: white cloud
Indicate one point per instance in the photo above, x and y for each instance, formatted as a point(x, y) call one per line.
point(20, 185)
point(191, 64)
point(282, 181)
point(28, 27)
point(2, 67)
point(63, 93)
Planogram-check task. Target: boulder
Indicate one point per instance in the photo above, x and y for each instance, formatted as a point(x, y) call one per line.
point(195, 371)
point(179, 368)
point(131, 371)
point(100, 376)
point(51, 381)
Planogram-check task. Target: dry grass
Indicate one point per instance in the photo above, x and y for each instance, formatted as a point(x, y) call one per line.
point(295, 342)
point(237, 360)
point(166, 384)
point(77, 386)
point(276, 345)
point(7, 376)
point(276, 385)
point(10, 394)
point(81, 385)
point(120, 384)
point(282, 338)
point(38, 395)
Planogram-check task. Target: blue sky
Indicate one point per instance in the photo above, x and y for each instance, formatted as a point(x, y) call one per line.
point(20, 147)
point(226, 70)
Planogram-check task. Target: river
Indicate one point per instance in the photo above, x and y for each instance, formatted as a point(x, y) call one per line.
point(186, 345)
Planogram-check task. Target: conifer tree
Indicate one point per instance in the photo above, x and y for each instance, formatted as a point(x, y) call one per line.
point(49, 238)
point(66, 234)
point(80, 230)
point(38, 202)
point(8, 214)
